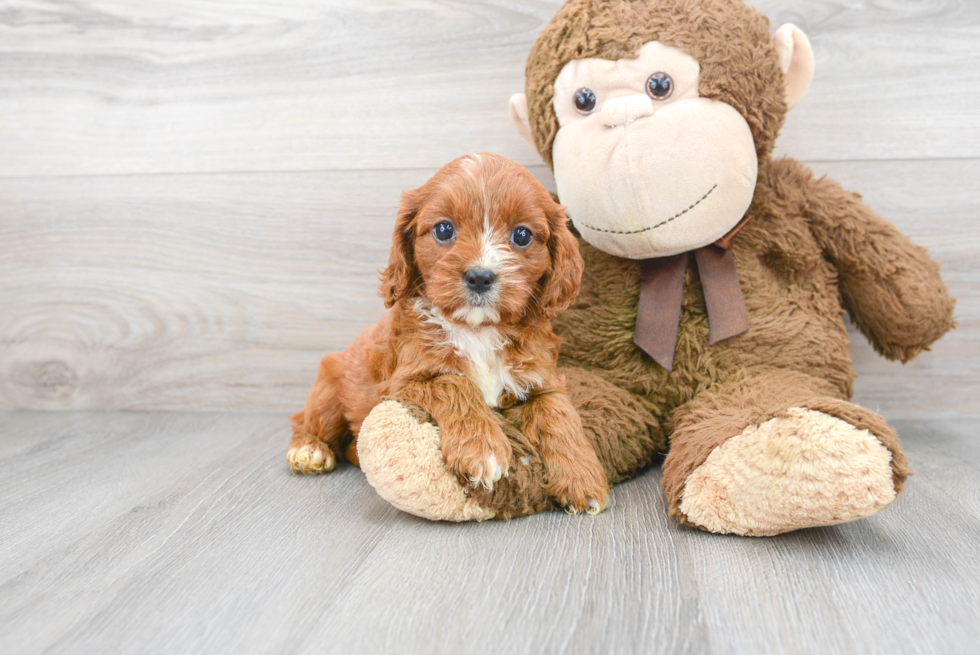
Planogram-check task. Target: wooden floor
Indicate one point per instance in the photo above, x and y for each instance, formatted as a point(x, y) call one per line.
point(186, 533)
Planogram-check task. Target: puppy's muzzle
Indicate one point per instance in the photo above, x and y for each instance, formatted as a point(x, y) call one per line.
point(480, 280)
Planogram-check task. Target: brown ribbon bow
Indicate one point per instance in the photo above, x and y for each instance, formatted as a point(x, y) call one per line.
point(662, 288)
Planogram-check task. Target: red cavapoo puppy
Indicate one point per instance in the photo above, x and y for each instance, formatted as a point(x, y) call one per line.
point(482, 259)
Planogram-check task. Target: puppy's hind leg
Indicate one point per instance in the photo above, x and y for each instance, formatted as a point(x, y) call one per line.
point(319, 429)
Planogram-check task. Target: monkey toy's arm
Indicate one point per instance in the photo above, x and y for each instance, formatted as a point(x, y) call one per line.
point(890, 286)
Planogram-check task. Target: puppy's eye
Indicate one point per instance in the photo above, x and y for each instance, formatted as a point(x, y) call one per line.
point(521, 236)
point(444, 232)
point(585, 100)
point(660, 86)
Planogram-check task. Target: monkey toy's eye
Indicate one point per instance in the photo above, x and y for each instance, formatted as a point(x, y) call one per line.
point(585, 100)
point(444, 232)
point(521, 236)
point(660, 86)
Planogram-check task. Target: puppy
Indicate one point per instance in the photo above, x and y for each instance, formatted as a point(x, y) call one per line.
point(482, 259)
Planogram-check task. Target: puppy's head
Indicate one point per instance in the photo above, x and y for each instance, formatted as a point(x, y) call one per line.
point(484, 243)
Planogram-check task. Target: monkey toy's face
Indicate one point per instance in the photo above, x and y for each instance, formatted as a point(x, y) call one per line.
point(645, 166)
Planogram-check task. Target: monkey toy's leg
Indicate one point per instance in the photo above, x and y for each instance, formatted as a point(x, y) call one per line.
point(399, 450)
point(624, 429)
point(776, 450)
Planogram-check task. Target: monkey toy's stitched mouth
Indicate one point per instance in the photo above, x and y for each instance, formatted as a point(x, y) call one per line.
point(652, 227)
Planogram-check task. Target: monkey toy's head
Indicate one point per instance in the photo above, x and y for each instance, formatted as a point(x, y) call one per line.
point(655, 116)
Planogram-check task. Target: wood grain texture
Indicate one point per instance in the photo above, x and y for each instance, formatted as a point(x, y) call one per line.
point(134, 533)
point(115, 87)
point(195, 197)
point(218, 291)
point(202, 292)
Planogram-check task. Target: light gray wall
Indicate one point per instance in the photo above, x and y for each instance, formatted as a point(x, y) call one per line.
point(195, 197)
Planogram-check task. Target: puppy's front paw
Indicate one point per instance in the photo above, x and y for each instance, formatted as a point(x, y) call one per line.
point(578, 488)
point(481, 459)
point(311, 459)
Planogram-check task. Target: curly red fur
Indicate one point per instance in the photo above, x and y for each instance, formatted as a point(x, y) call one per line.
point(460, 354)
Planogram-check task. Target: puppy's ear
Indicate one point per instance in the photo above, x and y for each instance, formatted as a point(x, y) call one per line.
point(402, 276)
point(561, 285)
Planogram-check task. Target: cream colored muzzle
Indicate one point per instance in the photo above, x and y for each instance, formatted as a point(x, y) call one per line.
point(625, 110)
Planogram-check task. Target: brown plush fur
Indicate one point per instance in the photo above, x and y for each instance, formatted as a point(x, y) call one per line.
point(810, 251)
point(412, 356)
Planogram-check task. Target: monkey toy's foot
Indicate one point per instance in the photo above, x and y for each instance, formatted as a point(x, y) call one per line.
point(801, 469)
point(400, 453)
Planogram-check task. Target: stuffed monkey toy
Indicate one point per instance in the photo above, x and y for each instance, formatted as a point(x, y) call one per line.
point(710, 325)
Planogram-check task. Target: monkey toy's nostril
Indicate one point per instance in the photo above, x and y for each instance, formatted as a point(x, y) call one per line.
point(479, 280)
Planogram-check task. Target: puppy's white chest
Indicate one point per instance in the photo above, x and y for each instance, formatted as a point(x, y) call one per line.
point(483, 348)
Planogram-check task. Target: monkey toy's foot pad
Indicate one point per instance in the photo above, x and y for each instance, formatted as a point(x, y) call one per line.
point(401, 455)
point(799, 470)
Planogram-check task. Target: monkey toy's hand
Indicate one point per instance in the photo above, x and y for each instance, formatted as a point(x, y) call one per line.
point(891, 286)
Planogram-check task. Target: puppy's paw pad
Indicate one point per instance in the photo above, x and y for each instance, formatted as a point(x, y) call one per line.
point(577, 495)
point(590, 506)
point(311, 460)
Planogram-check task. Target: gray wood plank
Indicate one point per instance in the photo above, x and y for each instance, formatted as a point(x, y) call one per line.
point(25, 431)
point(228, 550)
point(226, 287)
point(868, 56)
point(903, 581)
point(211, 292)
point(84, 469)
point(234, 553)
point(105, 87)
point(619, 582)
point(946, 454)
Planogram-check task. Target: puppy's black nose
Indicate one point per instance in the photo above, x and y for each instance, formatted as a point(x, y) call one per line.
point(479, 280)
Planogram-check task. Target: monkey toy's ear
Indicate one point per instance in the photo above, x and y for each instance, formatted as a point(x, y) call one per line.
point(518, 116)
point(796, 60)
